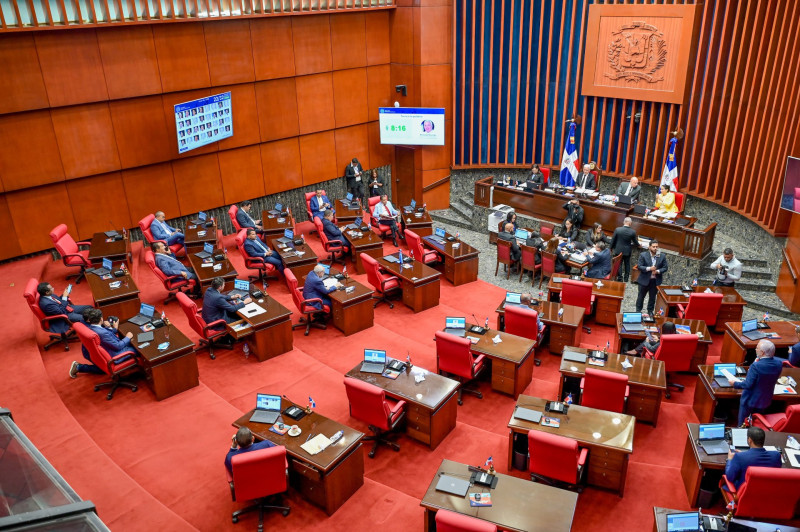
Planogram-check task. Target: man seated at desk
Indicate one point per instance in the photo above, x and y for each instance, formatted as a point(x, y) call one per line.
point(245, 220)
point(599, 261)
point(218, 306)
point(319, 203)
point(109, 340)
point(527, 299)
point(316, 289)
point(172, 267)
point(759, 385)
point(333, 233)
point(508, 234)
point(162, 231)
point(665, 200)
point(53, 305)
point(254, 247)
point(574, 212)
point(244, 442)
point(630, 189)
point(737, 463)
point(387, 215)
point(794, 351)
point(585, 179)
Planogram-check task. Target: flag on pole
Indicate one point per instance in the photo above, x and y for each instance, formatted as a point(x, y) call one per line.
point(569, 161)
point(670, 174)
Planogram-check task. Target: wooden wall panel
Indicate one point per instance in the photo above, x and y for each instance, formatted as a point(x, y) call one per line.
point(435, 157)
point(182, 58)
point(198, 183)
point(73, 77)
point(350, 96)
point(36, 211)
point(352, 142)
point(276, 102)
point(377, 37)
point(21, 84)
point(241, 175)
point(401, 35)
point(98, 204)
point(150, 189)
point(230, 53)
point(379, 89)
point(29, 153)
point(437, 198)
point(141, 131)
point(435, 84)
point(315, 103)
point(172, 99)
point(268, 36)
point(348, 41)
point(435, 24)
point(311, 36)
point(86, 139)
point(403, 75)
point(318, 157)
point(379, 154)
point(129, 61)
point(280, 163)
point(9, 245)
point(245, 116)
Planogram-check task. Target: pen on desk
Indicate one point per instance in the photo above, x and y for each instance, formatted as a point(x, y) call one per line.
point(309, 436)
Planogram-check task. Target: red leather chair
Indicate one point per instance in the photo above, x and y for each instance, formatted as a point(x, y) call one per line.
point(615, 263)
point(524, 322)
point(253, 263)
point(259, 474)
point(70, 251)
point(308, 196)
point(528, 262)
point(548, 266)
point(114, 367)
point(144, 225)
point(545, 175)
point(788, 421)
point(766, 493)
point(447, 521)
point(304, 306)
point(545, 229)
point(555, 460)
point(578, 294)
point(208, 334)
point(454, 357)
point(368, 403)
point(679, 199)
point(384, 284)
point(504, 257)
point(383, 230)
point(334, 248)
point(702, 306)
point(604, 390)
point(596, 175)
point(46, 322)
point(676, 350)
point(425, 256)
point(232, 212)
point(173, 284)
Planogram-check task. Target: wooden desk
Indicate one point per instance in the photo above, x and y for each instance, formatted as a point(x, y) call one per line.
point(608, 298)
point(512, 360)
point(460, 260)
point(731, 309)
point(610, 443)
point(517, 504)
point(197, 236)
point(420, 283)
point(647, 381)
point(738, 349)
point(326, 479)
point(171, 371)
point(660, 522)
point(116, 251)
point(422, 224)
point(207, 274)
point(363, 242)
point(696, 462)
point(562, 331)
point(708, 394)
point(700, 354)
point(352, 312)
point(432, 405)
point(122, 302)
point(345, 214)
point(300, 265)
point(274, 226)
point(272, 330)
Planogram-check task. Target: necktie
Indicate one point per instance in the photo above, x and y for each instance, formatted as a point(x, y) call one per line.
point(628, 192)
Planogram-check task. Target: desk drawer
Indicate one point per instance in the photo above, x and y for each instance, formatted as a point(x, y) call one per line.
point(604, 478)
point(305, 470)
point(423, 436)
point(418, 419)
point(503, 384)
point(502, 368)
point(643, 393)
point(605, 459)
point(605, 316)
point(560, 333)
point(641, 410)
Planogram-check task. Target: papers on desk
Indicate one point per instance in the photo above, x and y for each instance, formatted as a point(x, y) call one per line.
point(316, 445)
point(329, 283)
point(114, 285)
point(251, 309)
point(626, 363)
point(780, 389)
point(207, 264)
point(217, 267)
point(728, 375)
point(201, 233)
point(473, 339)
point(241, 326)
point(793, 457)
point(406, 266)
point(497, 339)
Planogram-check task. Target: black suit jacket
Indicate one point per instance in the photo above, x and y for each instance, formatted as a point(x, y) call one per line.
point(588, 182)
point(634, 193)
point(516, 253)
point(624, 240)
point(350, 175)
point(645, 262)
point(536, 178)
point(574, 213)
point(573, 235)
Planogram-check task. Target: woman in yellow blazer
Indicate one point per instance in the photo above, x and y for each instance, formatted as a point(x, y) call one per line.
point(665, 200)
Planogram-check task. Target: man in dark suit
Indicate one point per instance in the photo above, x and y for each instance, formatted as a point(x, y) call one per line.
point(244, 442)
point(652, 266)
point(254, 247)
point(599, 261)
point(574, 212)
point(334, 233)
point(631, 189)
point(244, 218)
point(738, 462)
point(218, 306)
point(354, 178)
point(315, 288)
point(508, 234)
point(759, 385)
point(172, 267)
point(320, 203)
point(53, 305)
point(162, 231)
point(109, 340)
point(586, 179)
point(624, 241)
point(535, 241)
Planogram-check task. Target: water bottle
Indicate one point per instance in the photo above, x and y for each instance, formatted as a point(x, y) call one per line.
point(336, 437)
point(246, 350)
point(412, 254)
point(486, 325)
point(560, 312)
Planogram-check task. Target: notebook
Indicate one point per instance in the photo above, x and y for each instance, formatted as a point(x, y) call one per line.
point(145, 315)
point(455, 326)
point(453, 485)
point(711, 437)
point(739, 438)
point(208, 250)
point(632, 321)
point(527, 414)
point(683, 522)
point(673, 291)
point(144, 337)
point(374, 361)
point(572, 356)
point(750, 330)
point(240, 288)
point(268, 408)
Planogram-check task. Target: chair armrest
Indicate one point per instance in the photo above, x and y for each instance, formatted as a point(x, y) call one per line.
point(85, 243)
point(763, 421)
point(627, 391)
point(314, 300)
point(48, 319)
point(68, 255)
point(477, 361)
point(253, 260)
point(583, 380)
point(233, 491)
point(212, 325)
point(124, 354)
point(648, 354)
point(334, 244)
point(728, 486)
point(681, 310)
point(584, 452)
point(384, 281)
point(397, 410)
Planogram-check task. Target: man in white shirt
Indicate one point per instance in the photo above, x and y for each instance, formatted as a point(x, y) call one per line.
point(353, 175)
point(162, 231)
point(387, 215)
point(729, 269)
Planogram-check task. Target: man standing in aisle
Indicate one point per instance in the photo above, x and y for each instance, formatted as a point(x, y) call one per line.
point(759, 385)
point(353, 175)
point(652, 266)
point(624, 241)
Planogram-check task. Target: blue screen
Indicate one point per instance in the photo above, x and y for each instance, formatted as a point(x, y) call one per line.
point(357, 221)
point(413, 204)
point(241, 285)
point(513, 297)
point(278, 207)
point(749, 325)
point(203, 121)
point(288, 233)
point(521, 234)
point(440, 232)
point(719, 367)
point(327, 268)
point(455, 323)
point(268, 402)
point(107, 264)
point(201, 216)
point(208, 248)
point(711, 431)
point(683, 522)
point(147, 310)
point(374, 355)
point(631, 317)
point(349, 196)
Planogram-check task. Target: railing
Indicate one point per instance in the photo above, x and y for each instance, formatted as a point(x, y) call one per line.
point(790, 265)
point(435, 184)
point(697, 243)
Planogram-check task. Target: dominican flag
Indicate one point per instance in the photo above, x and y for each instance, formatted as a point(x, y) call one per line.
point(312, 402)
point(670, 174)
point(569, 161)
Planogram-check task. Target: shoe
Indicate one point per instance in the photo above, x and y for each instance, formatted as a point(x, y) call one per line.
point(73, 370)
point(394, 241)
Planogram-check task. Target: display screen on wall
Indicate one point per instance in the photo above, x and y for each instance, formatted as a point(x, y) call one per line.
point(791, 185)
point(414, 126)
point(203, 121)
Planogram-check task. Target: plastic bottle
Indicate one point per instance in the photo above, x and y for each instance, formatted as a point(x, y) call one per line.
point(246, 350)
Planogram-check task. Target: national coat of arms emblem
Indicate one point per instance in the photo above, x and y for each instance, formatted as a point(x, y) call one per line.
point(637, 52)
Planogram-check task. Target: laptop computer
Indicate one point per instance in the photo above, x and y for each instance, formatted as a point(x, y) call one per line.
point(201, 218)
point(374, 361)
point(673, 291)
point(622, 199)
point(750, 330)
point(456, 326)
point(145, 315)
point(683, 522)
point(356, 223)
point(438, 235)
point(453, 485)
point(268, 408)
point(531, 186)
point(720, 377)
point(632, 321)
point(105, 269)
point(521, 234)
point(277, 210)
point(527, 414)
point(410, 208)
point(208, 251)
point(144, 337)
point(513, 298)
point(327, 271)
point(240, 288)
point(288, 237)
point(639, 209)
point(110, 234)
point(711, 437)
point(572, 356)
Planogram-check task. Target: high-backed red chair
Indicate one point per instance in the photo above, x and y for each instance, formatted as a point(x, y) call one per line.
point(679, 199)
point(71, 254)
point(144, 225)
point(58, 327)
point(383, 230)
point(253, 263)
point(702, 306)
point(555, 459)
point(305, 306)
point(604, 390)
point(259, 474)
point(527, 262)
point(425, 256)
point(578, 294)
point(766, 493)
point(454, 357)
point(676, 351)
point(114, 367)
point(233, 210)
point(788, 421)
point(596, 175)
point(334, 248)
point(447, 521)
point(384, 283)
point(545, 229)
point(173, 284)
point(545, 175)
point(615, 263)
point(208, 334)
point(548, 266)
point(308, 196)
point(504, 257)
point(368, 403)
point(524, 322)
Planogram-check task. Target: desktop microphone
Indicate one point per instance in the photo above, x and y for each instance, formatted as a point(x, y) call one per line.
point(476, 320)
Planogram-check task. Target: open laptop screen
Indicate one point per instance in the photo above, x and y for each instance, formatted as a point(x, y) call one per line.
point(711, 431)
point(440, 232)
point(455, 323)
point(238, 284)
point(288, 233)
point(147, 310)
point(268, 402)
point(201, 216)
point(719, 367)
point(357, 221)
point(521, 234)
point(375, 355)
point(278, 207)
point(513, 297)
point(631, 317)
point(327, 268)
point(749, 325)
point(683, 522)
point(208, 248)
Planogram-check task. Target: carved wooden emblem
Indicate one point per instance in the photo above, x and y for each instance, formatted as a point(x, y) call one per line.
point(637, 51)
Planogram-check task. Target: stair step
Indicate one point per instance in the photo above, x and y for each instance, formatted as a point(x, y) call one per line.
point(766, 302)
point(747, 273)
point(464, 211)
point(754, 285)
point(451, 217)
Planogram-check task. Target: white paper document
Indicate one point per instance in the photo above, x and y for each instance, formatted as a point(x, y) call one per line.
point(316, 445)
point(251, 309)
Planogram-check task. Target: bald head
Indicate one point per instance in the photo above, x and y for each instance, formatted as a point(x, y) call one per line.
point(766, 349)
point(627, 221)
point(509, 228)
point(634, 181)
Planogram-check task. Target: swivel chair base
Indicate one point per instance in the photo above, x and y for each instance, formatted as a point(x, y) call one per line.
point(63, 338)
point(675, 385)
point(380, 437)
point(115, 383)
point(263, 504)
point(308, 322)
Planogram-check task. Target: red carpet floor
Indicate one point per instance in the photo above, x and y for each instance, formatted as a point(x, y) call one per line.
point(151, 465)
